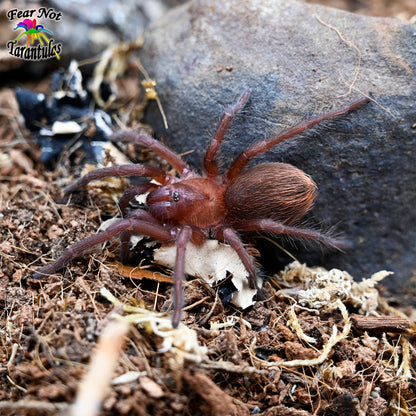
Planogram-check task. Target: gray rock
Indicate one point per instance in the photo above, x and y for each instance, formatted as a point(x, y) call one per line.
point(297, 67)
point(84, 27)
point(89, 27)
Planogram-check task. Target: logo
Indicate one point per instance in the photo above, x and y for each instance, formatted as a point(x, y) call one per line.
point(38, 45)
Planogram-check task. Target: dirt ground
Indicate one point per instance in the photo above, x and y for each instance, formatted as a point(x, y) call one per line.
point(60, 342)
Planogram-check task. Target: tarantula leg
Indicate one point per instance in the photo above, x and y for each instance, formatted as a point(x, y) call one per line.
point(130, 193)
point(179, 273)
point(159, 148)
point(239, 164)
point(275, 227)
point(210, 162)
point(231, 237)
point(142, 227)
point(122, 170)
point(125, 236)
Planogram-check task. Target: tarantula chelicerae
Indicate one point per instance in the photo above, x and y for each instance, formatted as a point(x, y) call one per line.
point(265, 198)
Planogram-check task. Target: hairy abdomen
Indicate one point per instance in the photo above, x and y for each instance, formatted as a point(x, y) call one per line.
point(278, 191)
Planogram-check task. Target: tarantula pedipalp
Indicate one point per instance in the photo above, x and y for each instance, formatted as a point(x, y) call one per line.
point(265, 198)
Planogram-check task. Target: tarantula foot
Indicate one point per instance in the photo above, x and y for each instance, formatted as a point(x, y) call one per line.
point(337, 243)
point(42, 274)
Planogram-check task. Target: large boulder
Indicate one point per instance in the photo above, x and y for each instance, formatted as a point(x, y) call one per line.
point(301, 60)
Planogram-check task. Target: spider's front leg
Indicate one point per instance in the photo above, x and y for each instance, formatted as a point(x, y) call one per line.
point(133, 225)
point(267, 225)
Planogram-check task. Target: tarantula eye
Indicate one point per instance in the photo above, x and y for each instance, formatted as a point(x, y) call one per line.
point(175, 196)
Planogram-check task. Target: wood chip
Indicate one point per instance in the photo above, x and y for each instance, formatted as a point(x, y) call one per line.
point(379, 324)
point(138, 273)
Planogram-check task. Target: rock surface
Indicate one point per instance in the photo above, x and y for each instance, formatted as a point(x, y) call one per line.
point(84, 28)
point(302, 60)
point(89, 27)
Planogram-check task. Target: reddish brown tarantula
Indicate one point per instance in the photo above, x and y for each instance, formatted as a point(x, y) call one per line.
point(265, 198)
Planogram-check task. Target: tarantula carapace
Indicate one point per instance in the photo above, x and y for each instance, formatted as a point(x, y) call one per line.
point(265, 198)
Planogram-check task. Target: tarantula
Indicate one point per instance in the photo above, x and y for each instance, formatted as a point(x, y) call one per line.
point(268, 197)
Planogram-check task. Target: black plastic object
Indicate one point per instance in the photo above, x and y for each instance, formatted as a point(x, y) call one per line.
point(68, 102)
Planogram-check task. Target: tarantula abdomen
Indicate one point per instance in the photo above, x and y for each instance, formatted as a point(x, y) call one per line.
point(278, 191)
